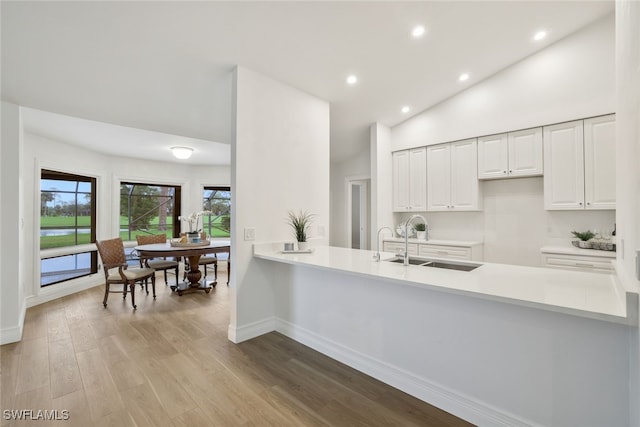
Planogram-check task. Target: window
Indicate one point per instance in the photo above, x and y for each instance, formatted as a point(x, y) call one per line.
point(218, 201)
point(67, 220)
point(149, 209)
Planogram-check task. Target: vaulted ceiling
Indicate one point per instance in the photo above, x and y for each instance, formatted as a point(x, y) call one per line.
point(166, 67)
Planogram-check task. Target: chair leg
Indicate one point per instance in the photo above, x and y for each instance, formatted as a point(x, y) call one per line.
point(133, 295)
point(228, 270)
point(106, 294)
point(165, 278)
point(153, 284)
point(177, 273)
point(124, 291)
point(215, 271)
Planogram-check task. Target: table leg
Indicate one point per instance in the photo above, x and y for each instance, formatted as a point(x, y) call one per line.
point(193, 276)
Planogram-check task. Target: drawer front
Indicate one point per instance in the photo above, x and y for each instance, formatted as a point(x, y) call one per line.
point(438, 251)
point(397, 248)
point(577, 263)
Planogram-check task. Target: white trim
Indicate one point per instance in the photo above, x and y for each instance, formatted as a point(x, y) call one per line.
point(239, 334)
point(14, 333)
point(49, 293)
point(462, 406)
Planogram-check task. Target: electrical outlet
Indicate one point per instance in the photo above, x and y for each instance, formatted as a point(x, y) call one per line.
point(249, 233)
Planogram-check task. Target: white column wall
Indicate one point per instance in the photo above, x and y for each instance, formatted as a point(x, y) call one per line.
point(628, 174)
point(381, 181)
point(12, 304)
point(280, 162)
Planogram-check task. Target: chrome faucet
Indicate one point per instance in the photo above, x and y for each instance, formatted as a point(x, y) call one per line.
point(406, 235)
point(376, 256)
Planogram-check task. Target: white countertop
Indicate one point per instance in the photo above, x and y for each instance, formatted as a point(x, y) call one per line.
point(438, 242)
point(572, 250)
point(593, 295)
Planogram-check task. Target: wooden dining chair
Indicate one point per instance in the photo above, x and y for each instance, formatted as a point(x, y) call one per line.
point(112, 255)
point(163, 264)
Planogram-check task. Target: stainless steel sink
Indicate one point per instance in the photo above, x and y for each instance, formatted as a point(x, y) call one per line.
point(425, 262)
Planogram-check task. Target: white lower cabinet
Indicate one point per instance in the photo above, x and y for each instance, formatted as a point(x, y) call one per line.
point(578, 259)
point(470, 251)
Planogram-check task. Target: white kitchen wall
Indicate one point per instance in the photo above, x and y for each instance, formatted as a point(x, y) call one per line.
point(280, 162)
point(628, 174)
point(358, 167)
point(12, 278)
point(41, 152)
point(381, 166)
point(571, 79)
point(514, 225)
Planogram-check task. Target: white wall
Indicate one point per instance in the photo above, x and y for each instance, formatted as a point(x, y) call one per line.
point(628, 174)
point(280, 162)
point(12, 230)
point(357, 167)
point(488, 362)
point(381, 184)
point(513, 223)
point(571, 79)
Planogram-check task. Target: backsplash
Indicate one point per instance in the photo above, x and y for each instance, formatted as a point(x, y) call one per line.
point(513, 224)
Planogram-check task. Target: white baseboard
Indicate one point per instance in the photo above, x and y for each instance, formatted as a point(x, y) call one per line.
point(14, 333)
point(62, 290)
point(242, 333)
point(461, 406)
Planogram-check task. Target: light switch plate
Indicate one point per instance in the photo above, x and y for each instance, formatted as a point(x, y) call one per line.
point(249, 233)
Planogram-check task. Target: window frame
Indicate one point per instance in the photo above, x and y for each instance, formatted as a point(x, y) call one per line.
point(215, 188)
point(77, 248)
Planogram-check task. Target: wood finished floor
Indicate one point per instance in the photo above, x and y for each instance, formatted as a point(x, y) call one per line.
point(170, 364)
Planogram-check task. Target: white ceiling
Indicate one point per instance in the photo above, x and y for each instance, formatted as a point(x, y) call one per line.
point(166, 67)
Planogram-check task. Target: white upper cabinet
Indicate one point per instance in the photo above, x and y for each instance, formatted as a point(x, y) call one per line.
point(410, 180)
point(579, 159)
point(452, 176)
point(600, 162)
point(513, 154)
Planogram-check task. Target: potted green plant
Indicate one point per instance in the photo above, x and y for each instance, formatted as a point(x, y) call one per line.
point(421, 231)
point(584, 237)
point(300, 222)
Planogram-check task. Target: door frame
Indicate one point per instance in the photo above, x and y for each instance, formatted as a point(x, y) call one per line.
point(365, 182)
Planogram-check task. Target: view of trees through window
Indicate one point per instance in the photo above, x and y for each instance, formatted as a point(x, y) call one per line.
point(149, 209)
point(67, 219)
point(218, 201)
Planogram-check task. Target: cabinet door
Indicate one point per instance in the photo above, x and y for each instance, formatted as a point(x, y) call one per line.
point(525, 152)
point(563, 166)
point(600, 162)
point(439, 177)
point(464, 175)
point(418, 179)
point(400, 184)
point(492, 156)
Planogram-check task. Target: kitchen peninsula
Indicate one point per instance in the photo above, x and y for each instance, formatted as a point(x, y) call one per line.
point(464, 341)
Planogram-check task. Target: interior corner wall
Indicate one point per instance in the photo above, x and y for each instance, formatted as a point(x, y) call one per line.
point(357, 167)
point(571, 79)
point(627, 174)
point(381, 185)
point(12, 304)
point(280, 162)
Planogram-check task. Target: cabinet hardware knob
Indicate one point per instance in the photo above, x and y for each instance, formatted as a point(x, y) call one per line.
point(580, 203)
point(510, 171)
point(588, 203)
point(504, 171)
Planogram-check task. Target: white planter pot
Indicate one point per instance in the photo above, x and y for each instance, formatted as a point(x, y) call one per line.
point(421, 235)
point(303, 246)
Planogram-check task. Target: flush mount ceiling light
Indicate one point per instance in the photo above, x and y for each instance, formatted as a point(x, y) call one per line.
point(352, 79)
point(463, 77)
point(405, 109)
point(539, 35)
point(182, 153)
point(417, 31)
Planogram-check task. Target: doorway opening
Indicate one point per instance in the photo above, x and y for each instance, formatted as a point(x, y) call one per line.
point(358, 214)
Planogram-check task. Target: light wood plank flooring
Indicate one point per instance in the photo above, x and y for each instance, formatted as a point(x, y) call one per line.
point(170, 364)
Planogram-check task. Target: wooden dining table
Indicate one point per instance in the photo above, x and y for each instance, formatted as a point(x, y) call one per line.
point(192, 252)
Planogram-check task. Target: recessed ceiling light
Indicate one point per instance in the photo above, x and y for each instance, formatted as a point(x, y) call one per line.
point(352, 80)
point(539, 35)
point(417, 31)
point(405, 109)
point(182, 153)
point(463, 77)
